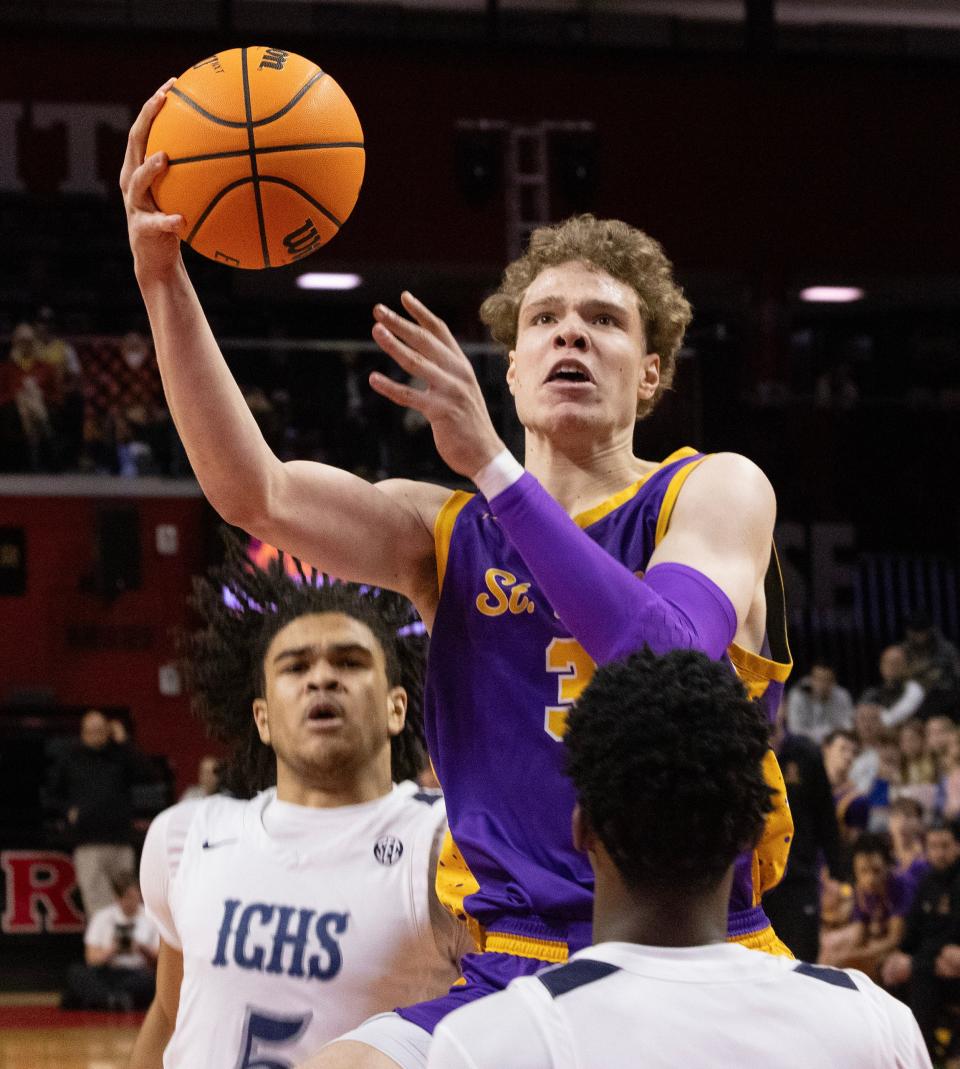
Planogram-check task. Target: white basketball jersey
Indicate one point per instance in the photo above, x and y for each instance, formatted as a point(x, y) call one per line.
point(293, 935)
point(621, 1006)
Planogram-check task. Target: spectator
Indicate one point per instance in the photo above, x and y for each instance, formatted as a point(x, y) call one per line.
point(926, 966)
point(906, 837)
point(852, 808)
point(868, 727)
point(898, 695)
point(13, 444)
point(67, 408)
point(932, 661)
point(34, 390)
point(817, 705)
point(92, 785)
point(940, 732)
point(208, 779)
point(947, 802)
point(918, 765)
point(793, 906)
point(881, 902)
point(120, 950)
point(887, 782)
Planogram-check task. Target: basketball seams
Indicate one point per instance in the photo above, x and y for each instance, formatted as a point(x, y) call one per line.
point(295, 99)
point(248, 109)
point(209, 208)
point(261, 151)
point(228, 154)
point(306, 196)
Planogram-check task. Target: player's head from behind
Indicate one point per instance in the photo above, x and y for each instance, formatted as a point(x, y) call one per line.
point(941, 844)
point(308, 680)
point(872, 861)
point(666, 757)
point(593, 320)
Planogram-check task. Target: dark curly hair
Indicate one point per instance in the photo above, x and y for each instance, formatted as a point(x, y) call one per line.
point(243, 608)
point(666, 757)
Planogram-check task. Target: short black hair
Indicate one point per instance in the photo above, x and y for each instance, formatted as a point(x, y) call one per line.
point(666, 755)
point(243, 608)
point(873, 843)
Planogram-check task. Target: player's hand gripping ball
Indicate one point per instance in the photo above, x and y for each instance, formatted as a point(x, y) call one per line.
point(266, 157)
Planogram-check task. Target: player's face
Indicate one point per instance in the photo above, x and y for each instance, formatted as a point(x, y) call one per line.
point(328, 710)
point(580, 361)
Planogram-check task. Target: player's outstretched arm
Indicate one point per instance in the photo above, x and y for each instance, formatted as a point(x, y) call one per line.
point(330, 518)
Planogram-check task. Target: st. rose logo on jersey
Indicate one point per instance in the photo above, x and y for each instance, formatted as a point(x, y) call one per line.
point(388, 850)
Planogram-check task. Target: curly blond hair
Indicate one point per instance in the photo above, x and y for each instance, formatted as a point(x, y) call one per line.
point(628, 255)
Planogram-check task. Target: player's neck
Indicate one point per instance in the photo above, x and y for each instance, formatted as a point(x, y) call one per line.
point(582, 475)
point(661, 918)
point(327, 791)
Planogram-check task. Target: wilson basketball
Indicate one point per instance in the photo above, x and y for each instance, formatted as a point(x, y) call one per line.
point(266, 156)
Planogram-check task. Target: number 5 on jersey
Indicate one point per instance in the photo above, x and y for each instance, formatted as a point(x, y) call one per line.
point(574, 668)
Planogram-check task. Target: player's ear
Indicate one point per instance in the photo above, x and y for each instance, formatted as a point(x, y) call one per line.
point(396, 710)
point(649, 377)
point(582, 832)
point(512, 371)
point(260, 718)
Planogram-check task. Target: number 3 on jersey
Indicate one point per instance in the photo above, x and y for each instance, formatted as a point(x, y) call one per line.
point(571, 663)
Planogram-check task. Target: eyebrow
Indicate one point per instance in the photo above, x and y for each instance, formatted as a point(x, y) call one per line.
point(597, 305)
point(337, 649)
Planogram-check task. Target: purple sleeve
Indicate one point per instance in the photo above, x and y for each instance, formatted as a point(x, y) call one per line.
point(609, 611)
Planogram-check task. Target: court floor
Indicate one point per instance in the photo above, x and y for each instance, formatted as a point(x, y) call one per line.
point(35, 1034)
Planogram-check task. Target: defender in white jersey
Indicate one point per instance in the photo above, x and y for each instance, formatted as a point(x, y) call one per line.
point(288, 918)
point(666, 757)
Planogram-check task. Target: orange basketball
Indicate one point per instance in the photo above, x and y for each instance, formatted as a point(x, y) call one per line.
point(266, 156)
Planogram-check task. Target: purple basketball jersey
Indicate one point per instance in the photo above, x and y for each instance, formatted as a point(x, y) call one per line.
point(502, 675)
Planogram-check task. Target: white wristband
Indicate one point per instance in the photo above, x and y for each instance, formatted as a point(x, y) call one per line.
point(501, 472)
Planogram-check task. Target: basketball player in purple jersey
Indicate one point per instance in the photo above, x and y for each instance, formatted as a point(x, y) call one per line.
point(587, 554)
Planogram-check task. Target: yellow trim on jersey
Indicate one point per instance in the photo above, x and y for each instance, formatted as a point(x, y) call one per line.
point(585, 519)
point(670, 499)
point(772, 851)
point(522, 947)
point(454, 883)
point(443, 530)
point(765, 940)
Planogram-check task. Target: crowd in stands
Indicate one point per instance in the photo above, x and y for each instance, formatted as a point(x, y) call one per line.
point(888, 878)
point(96, 405)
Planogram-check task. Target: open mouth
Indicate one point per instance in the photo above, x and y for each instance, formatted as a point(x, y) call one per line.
point(323, 713)
point(569, 371)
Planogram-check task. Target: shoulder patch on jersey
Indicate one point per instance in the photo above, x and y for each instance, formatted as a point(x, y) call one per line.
point(430, 797)
point(837, 977)
point(575, 974)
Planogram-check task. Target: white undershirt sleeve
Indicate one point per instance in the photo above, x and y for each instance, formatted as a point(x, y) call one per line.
point(159, 863)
